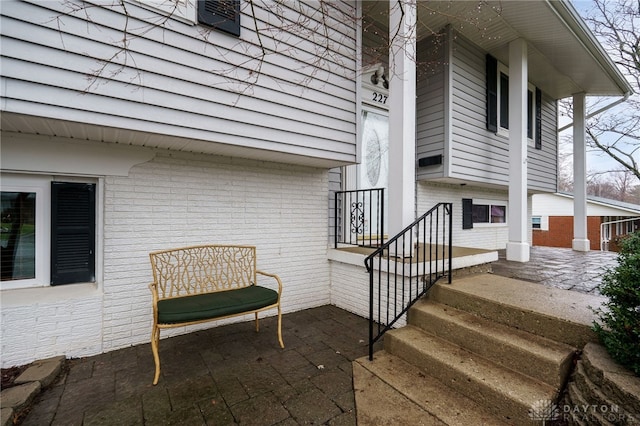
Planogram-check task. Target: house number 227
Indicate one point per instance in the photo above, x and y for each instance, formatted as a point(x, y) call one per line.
point(379, 98)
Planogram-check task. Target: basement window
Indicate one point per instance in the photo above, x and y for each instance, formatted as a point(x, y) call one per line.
point(483, 213)
point(48, 233)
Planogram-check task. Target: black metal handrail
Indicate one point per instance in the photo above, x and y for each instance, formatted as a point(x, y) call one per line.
point(359, 217)
point(404, 268)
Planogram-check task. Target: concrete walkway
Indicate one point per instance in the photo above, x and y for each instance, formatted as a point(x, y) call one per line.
point(231, 375)
point(560, 268)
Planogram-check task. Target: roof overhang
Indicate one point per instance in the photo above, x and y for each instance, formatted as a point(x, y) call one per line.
point(564, 56)
point(625, 208)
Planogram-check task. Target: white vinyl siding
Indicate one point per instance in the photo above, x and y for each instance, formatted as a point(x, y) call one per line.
point(542, 163)
point(478, 155)
point(173, 82)
point(335, 185)
point(430, 108)
point(474, 154)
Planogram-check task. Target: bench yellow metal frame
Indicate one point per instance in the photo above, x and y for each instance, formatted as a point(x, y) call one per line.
point(204, 269)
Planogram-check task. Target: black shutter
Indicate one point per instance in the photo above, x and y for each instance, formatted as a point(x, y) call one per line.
point(221, 14)
point(467, 213)
point(73, 214)
point(492, 94)
point(538, 118)
point(530, 110)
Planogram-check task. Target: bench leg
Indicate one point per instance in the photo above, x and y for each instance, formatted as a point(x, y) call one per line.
point(257, 323)
point(280, 327)
point(155, 341)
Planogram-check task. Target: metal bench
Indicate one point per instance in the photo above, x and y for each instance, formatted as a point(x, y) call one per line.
point(196, 284)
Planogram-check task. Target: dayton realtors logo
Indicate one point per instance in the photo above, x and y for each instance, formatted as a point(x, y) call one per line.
point(544, 410)
point(547, 411)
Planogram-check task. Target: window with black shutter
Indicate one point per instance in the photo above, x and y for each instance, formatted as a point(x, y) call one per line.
point(221, 14)
point(73, 217)
point(497, 103)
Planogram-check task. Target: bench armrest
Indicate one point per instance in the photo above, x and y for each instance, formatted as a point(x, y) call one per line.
point(277, 278)
point(154, 299)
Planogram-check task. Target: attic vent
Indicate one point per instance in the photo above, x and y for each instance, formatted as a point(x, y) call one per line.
point(224, 9)
point(434, 160)
point(221, 14)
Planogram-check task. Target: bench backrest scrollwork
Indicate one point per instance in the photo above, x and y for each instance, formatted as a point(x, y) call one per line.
point(203, 269)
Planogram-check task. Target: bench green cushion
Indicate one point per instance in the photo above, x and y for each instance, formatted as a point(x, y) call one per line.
point(214, 305)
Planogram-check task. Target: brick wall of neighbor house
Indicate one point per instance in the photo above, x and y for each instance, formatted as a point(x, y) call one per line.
point(560, 233)
point(171, 201)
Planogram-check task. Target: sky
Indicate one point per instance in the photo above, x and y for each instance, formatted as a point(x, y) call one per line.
point(596, 161)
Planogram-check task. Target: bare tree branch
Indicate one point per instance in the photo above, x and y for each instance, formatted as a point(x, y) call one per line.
point(616, 132)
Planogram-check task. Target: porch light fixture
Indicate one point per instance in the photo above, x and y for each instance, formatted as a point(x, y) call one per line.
point(379, 74)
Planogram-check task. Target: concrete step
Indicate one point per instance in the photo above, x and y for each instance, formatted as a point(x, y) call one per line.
point(560, 315)
point(388, 381)
point(505, 393)
point(530, 354)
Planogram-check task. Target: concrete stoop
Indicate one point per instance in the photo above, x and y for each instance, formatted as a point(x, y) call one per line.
point(391, 391)
point(484, 350)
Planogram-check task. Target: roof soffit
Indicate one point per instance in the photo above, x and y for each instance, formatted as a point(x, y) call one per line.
point(564, 57)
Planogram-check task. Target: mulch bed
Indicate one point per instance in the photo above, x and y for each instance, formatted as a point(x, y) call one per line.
point(9, 375)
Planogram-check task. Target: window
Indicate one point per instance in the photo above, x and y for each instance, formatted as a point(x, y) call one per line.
point(503, 99)
point(487, 213)
point(536, 222)
point(625, 227)
point(221, 14)
point(480, 212)
point(18, 236)
point(48, 231)
point(497, 103)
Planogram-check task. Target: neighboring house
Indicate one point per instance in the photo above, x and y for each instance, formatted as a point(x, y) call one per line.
point(608, 220)
point(136, 125)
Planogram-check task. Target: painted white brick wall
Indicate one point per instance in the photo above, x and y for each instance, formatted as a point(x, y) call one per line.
point(44, 329)
point(350, 289)
point(490, 237)
point(171, 201)
point(177, 200)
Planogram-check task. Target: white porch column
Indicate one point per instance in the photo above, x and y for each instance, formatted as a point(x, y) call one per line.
point(518, 245)
point(580, 241)
point(402, 114)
